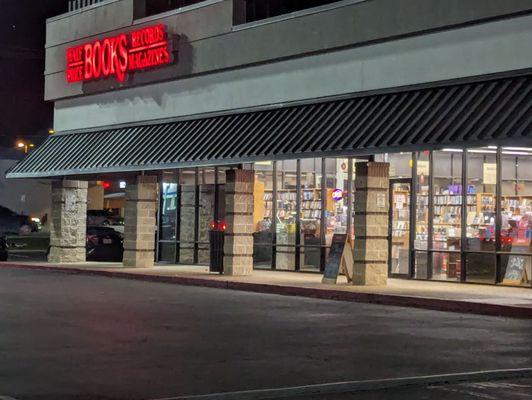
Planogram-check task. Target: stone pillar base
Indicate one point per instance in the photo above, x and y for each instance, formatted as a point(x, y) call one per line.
point(370, 274)
point(60, 255)
point(68, 222)
point(138, 259)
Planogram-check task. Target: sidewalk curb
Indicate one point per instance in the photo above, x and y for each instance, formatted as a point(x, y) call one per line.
point(458, 306)
point(362, 386)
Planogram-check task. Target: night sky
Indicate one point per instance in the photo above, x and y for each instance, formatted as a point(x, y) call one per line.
point(22, 37)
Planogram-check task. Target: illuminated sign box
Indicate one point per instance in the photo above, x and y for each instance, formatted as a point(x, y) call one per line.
point(117, 56)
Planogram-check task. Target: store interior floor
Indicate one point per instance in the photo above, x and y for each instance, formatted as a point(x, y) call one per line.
point(488, 294)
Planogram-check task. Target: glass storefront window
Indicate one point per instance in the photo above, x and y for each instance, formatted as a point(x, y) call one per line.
point(312, 197)
point(336, 200)
point(400, 232)
point(187, 182)
point(168, 217)
point(422, 182)
point(263, 215)
point(400, 197)
point(310, 215)
point(516, 214)
point(447, 214)
point(286, 217)
point(481, 213)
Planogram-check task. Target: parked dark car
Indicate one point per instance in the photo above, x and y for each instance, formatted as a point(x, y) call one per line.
point(104, 244)
point(103, 218)
point(11, 222)
point(3, 248)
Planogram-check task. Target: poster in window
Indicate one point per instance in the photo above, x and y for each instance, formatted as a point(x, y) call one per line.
point(490, 173)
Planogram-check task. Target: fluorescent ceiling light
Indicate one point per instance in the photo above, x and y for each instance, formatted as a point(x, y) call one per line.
point(517, 153)
point(480, 151)
point(529, 149)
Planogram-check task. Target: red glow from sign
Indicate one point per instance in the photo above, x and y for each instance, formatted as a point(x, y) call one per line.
point(118, 55)
point(106, 185)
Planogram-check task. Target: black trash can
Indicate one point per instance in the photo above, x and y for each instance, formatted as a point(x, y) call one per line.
point(216, 239)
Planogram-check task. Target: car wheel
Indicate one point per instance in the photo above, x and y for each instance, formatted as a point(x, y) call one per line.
point(24, 230)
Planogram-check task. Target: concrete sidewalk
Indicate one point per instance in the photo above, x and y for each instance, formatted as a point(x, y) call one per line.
point(464, 298)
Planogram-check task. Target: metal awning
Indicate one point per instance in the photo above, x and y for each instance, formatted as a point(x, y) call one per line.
point(479, 113)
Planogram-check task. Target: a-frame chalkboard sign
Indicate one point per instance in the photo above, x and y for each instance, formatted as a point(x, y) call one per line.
point(340, 259)
point(517, 270)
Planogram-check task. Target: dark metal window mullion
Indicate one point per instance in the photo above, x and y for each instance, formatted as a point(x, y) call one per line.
point(274, 216)
point(413, 201)
point(430, 239)
point(349, 196)
point(178, 217)
point(498, 215)
point(159, 217)
point(298, 216)
point(323, 236)
point(390, 225)
point(463, 218)
point(196, 215)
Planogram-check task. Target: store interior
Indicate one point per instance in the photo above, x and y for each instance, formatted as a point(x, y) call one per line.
point(458, 232)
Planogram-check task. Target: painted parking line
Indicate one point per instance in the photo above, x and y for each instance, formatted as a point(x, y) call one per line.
point(7, 398)
point(357, 386)
point(488, 390)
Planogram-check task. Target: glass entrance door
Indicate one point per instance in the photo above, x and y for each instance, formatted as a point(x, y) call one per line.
point(399, 229)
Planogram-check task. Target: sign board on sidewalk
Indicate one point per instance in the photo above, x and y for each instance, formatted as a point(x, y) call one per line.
point(340, 259)
point(516, 270)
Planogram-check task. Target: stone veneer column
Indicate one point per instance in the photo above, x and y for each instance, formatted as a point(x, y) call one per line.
point(186, 224)
point(371, 208)
point(140, 222)
point(238, 246)
point(68, 222)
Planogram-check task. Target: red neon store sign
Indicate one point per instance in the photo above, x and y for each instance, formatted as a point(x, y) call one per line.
point(118, 55)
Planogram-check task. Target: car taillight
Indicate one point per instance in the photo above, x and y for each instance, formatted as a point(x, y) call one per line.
point(92, 239)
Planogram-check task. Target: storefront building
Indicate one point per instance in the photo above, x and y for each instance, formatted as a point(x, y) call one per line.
point(406, 126)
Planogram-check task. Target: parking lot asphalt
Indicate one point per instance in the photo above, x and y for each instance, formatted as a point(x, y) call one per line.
point(87, 337)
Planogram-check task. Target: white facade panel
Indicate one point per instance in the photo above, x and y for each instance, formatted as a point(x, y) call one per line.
point(494, 47)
